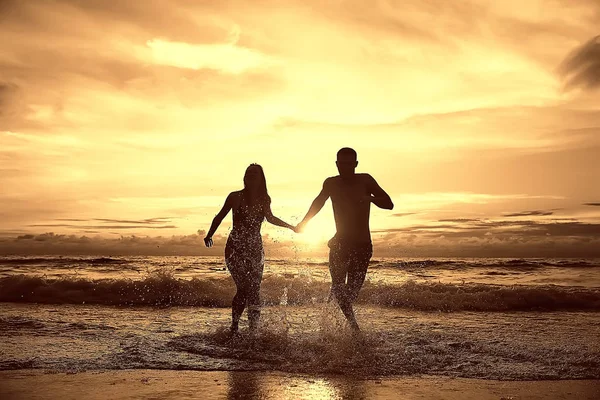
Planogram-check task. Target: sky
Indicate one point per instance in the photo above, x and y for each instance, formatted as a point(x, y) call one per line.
point(124, 125)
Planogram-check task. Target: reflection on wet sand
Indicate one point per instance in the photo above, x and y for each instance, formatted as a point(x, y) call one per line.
point(244, 385)
point(271, 385)
point(253, 385)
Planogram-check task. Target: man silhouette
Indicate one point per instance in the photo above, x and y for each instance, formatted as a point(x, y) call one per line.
point(351, 248)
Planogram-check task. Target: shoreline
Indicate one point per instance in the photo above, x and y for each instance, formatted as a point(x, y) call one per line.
point(187, 384)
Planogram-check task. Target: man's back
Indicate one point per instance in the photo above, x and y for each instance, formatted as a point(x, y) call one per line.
point(350, 206)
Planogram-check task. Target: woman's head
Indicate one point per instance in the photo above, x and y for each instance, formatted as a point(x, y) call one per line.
point(254, 179)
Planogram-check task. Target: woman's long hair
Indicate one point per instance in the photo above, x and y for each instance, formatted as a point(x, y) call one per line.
point(263, 194)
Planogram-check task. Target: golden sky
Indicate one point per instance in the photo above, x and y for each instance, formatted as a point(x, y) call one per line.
point(480, 118)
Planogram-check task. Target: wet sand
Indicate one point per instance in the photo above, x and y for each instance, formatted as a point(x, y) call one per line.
point(170, 384)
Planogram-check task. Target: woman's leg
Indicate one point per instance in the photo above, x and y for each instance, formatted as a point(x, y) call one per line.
point(254, 305)
point(246, 270)
point(239, 275)
point(237, 308)
point(254, 281)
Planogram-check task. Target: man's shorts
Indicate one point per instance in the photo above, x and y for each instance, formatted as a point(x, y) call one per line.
point(349, 261)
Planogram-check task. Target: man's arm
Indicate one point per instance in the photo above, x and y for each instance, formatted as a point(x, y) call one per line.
point(316, 205)
point(378, 196)
point(218, 219)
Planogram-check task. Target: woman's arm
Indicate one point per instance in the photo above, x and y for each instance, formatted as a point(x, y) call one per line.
point(276, 221)
point(218, 219)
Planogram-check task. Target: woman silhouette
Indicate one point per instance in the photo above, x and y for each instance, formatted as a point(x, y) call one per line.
point(244, 254)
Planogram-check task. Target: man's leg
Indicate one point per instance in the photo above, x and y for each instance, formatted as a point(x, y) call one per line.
point(338, 268)
point(358, 265)
point(346, 307)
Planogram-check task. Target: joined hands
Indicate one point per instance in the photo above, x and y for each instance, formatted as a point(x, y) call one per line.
point(299, 228)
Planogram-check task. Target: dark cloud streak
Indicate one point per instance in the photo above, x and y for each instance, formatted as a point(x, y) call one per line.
point(581, 68)
point(529, 213)
point(158, 220)
point(459, 220)
point(517, 229)
point(102, 226)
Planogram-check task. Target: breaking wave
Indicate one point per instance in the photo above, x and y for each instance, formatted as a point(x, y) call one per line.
point(163, 289)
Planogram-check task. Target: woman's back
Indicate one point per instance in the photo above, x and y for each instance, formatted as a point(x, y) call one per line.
point(248, 214)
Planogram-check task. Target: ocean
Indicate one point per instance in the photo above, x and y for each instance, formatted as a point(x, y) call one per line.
point(507, 319)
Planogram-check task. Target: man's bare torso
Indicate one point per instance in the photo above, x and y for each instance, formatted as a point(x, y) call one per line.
point(351, 208)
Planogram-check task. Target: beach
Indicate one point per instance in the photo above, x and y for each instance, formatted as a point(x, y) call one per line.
point(171, 385)
point(157, 328)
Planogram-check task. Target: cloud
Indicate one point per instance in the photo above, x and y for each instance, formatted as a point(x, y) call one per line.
point(581, 69)
point(225, 57)
point(459, 220)
point(158, 220)
point(525, 238)
point(103, 226)
point(7, 90)
point(11, 104)
point(592, 204)
point(403, 214)
point(512, 131)
point(417, 228)
point(529, 213)
point(154, 18)
point(146, 223)
point(140, 110)
point(51, 243)
point(517, 229)
point(585, 230)
point(467, 238)
point(118, 79)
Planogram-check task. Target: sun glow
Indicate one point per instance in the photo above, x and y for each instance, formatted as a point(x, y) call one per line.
point(317, 232)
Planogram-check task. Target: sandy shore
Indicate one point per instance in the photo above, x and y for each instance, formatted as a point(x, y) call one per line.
point(157, 384)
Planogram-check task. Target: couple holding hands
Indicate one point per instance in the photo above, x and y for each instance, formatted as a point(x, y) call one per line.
point(350, 249)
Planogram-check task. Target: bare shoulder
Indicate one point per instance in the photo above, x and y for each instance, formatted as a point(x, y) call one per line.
point(328, 182)
point(234, 197)
point(329, 185)
point(366, 178)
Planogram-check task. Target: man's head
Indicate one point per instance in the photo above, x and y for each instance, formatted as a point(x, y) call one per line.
point(346, 161)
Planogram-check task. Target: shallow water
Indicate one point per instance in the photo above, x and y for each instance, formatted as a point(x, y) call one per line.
point(501, 319)
point(308, 339)
point(562, 272)
point(448, 285)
